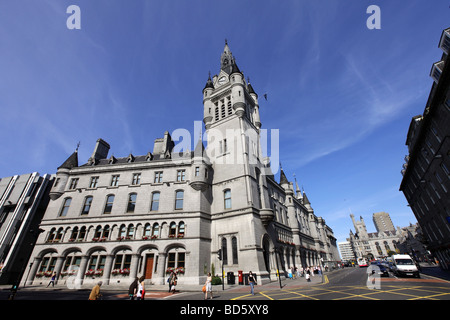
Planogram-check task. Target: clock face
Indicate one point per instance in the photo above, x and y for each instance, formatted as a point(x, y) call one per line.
point(222, 80)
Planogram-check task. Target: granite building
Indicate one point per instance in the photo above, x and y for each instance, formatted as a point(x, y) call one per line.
point(426, 173)
point(112, 219)
point(23, 200)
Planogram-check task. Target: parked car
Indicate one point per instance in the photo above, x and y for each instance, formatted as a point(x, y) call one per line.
point(382, 270)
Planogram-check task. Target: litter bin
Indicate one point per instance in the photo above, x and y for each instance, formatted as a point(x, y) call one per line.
point(240, 277)
point(230, 278)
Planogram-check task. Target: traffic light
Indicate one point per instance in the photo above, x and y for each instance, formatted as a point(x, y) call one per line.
point(219, 254)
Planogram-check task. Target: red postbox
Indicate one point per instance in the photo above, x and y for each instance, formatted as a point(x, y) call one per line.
point(240, 277)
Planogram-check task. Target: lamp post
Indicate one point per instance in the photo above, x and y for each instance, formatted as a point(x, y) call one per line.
point(278, 269)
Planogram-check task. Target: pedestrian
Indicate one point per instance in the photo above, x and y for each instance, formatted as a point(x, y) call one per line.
point(172, 281)
point(252, 282)
point(132, 291)
point(95, 293)
point(140, 295)
point(208, 286)
point(308, 275)
point(52, 280)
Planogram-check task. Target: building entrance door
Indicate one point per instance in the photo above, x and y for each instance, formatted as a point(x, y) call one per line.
point(149, 266)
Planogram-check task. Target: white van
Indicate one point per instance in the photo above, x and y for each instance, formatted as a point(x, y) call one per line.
point(403, 265)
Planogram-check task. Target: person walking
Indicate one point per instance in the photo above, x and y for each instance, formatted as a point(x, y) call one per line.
point(173, 282)
point(208, 286)
point(252, 282)
point(132, 290)
point(52, 280)
point(95, 293)
point(308, 275)
point(140, 295)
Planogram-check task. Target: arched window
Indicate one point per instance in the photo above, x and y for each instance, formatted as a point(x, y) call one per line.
point(131, 202)
point(147, 230)
point(105, 234)
point(224, 251)
point(109, 204)
point(179, 195)
point(87, 205)
point(227, 199)
point(74, 234)
point(98, 232)
point(130, 231)
point(65, 207)
point(59, 234)
point(155, 230)
point(51, 235)
point(172, 230)
point(82, 234)
point(122, 232)
point(181, 229)
point(235, 250)
point(155, 201)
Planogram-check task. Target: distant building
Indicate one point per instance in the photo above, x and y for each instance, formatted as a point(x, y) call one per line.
point(117, 218)
point(346, 250)
point(374, 244)
point(23, 200)
point(426, 173)
point(383, 222)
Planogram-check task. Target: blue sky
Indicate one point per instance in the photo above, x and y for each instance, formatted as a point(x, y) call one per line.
point(342, 95)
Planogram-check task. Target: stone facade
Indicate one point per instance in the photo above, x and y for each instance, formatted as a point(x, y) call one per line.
point(117, 218)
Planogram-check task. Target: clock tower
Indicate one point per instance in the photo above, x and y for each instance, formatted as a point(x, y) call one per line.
point(240, 207)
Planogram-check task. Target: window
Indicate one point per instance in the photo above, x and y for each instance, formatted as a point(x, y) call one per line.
point(235, 250)
point(176, 260)
point(158, 177)
point(115, 180)
point(197, 171)
point(172, 230)
point(224, 251)
point(147, 230)
point(155, 201)
point(130, 231)
point(87, 205)
point(179, 200)
point(136, 179)
point(223, 146)
point(109, 204)
point(181, 175)
point(227, 199)
point(230, 109)
point(82, 234)
point(122, 261)
point(73, 183)
point(181, 229)
point(155, 231)
point(131, 202)
point(65, 207)
point(216, 115)
point(441, 182)
point(93, 183)
point(105, 233)
point(97, 262)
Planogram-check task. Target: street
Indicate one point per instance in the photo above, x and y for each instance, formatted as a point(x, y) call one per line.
point(344, 284)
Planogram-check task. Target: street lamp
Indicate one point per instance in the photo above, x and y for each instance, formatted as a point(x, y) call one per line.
point(278, 269)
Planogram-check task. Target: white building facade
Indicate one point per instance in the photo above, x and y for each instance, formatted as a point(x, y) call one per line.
point(113, 219)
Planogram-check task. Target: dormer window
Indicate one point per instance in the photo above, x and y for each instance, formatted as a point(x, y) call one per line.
point(436, 71)
point(444, 44)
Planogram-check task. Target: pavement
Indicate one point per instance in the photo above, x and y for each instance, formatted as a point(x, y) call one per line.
point(430, 270)
point(285, 283)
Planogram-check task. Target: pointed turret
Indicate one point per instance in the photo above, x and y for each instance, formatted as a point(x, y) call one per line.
point(226, 59)
point(283, 179)
point(62, 175)
point(71, 162)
